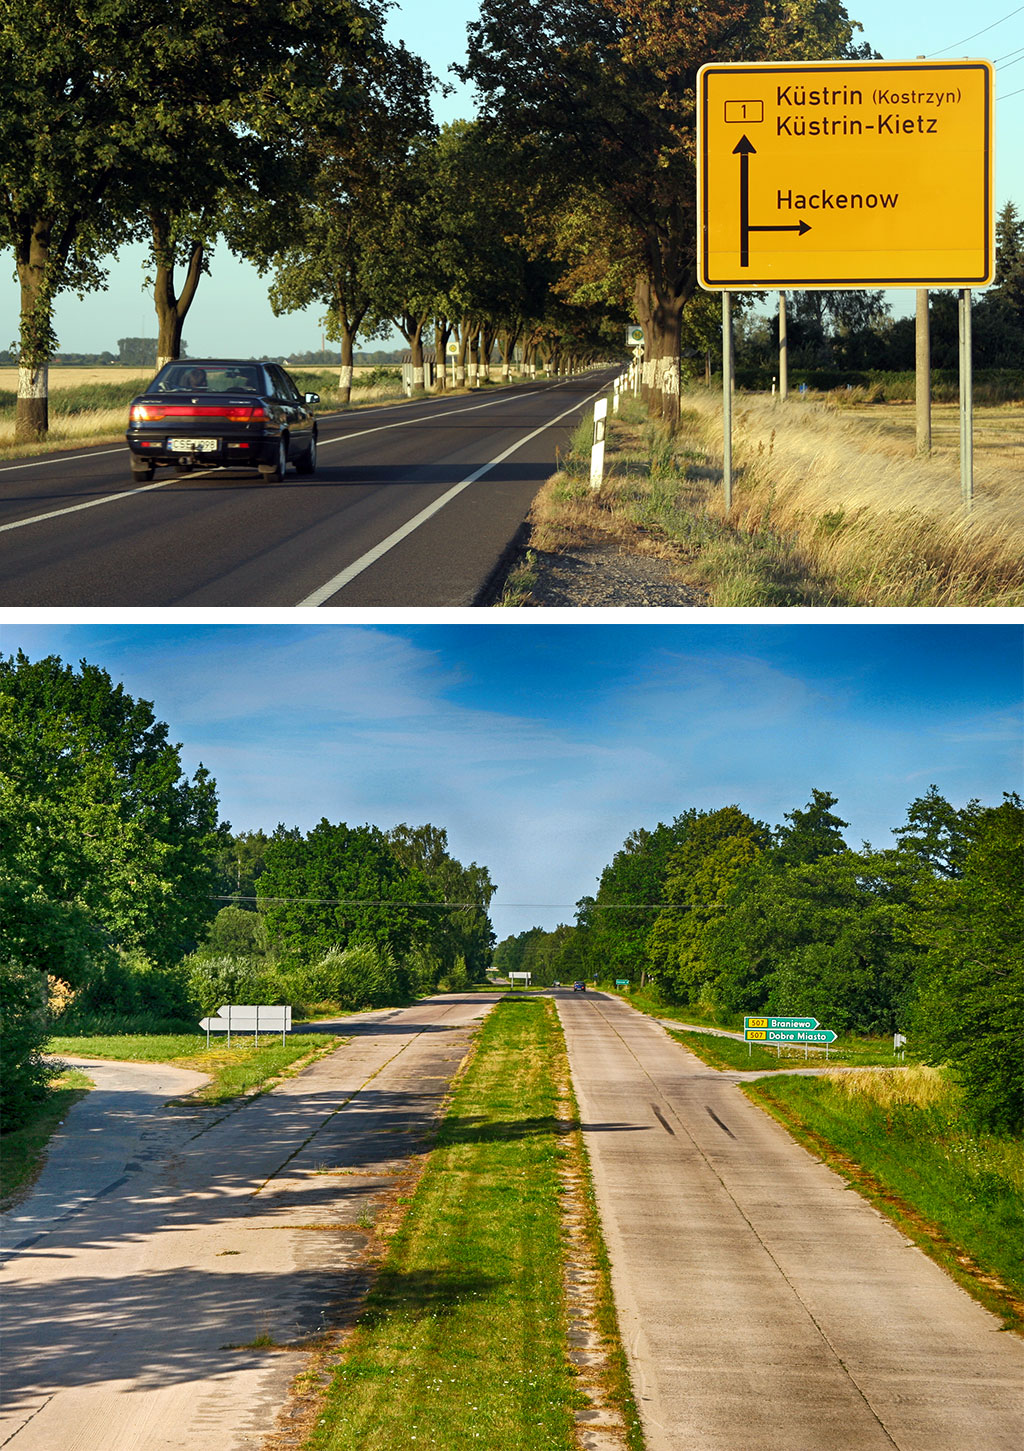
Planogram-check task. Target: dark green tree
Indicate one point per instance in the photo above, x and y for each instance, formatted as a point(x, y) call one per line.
point(454, 924)
point(719, 849)
point(338, 886)
point(938, 834)
point(972, 986)
point(606, 89)
point(812, 833)
point(104, 841)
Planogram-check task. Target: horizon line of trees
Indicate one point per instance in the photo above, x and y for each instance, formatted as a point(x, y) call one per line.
point(724, 914)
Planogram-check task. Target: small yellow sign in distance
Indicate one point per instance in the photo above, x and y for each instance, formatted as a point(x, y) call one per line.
point(845, 174)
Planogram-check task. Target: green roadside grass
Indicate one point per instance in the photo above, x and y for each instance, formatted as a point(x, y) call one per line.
point(904, 1141)
point(463, 1342)
point(242, 1068)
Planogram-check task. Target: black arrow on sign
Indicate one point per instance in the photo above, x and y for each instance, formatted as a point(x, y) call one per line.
point(744, 149)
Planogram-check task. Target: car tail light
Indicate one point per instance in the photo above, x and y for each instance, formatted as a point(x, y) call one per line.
point(233, 412)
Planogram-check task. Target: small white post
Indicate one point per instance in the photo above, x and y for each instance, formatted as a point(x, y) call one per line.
point(597, 448)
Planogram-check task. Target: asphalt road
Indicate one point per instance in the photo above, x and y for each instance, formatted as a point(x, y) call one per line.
point(764, 1305)
point(412, 505)
point(134, 1321)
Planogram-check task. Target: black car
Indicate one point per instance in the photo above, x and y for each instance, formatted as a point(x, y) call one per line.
point(218, 413)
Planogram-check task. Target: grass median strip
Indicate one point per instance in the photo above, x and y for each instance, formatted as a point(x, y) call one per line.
point(464, 1338)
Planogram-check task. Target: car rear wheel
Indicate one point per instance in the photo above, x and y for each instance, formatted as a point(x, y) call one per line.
point(141, 472)
point(274, 473)
point(306, 461)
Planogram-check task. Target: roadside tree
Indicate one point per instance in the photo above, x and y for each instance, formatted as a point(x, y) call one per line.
point(104, 842)
point(605, 90)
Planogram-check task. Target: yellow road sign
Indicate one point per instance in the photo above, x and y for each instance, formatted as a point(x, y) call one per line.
point(845, 174)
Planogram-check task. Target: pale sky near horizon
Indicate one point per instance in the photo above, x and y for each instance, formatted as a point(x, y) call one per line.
point(232, 301)
point(540, 747)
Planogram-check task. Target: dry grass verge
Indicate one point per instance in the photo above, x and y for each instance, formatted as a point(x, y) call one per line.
point(830, 507)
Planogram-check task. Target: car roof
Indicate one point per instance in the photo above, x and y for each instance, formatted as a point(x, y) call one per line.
point(220, 362)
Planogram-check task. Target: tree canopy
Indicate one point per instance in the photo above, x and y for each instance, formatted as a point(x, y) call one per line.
point(104, 841)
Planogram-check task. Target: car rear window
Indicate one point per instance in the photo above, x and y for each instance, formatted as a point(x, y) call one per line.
point(189, 378)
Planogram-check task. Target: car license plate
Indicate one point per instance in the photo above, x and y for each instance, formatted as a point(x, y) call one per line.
point(193, 445)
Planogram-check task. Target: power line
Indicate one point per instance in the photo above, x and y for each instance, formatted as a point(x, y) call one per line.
point(977, 33)
point(392, 902)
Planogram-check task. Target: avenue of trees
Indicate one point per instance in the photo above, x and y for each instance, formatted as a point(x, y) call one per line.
point(305, 140)
point(126, 902)
point(724, 914)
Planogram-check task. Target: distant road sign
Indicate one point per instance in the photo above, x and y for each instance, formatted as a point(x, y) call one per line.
point(634, 337)
point(792, 1035)
point(780, 1023)
point(845, 174)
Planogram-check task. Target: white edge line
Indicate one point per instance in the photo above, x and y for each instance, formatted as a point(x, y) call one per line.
point(345, 576)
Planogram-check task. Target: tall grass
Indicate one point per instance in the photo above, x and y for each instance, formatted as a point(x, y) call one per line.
point(887, 528)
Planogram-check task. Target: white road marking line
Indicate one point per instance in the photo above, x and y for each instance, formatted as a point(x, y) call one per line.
point(345, 576)
point(89, 504)
point(66, 459)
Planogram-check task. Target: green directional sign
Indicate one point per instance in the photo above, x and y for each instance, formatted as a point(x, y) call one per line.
point(789, 1035)
point(796, 1024)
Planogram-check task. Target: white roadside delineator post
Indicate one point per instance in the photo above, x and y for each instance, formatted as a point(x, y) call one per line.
point(597, 449)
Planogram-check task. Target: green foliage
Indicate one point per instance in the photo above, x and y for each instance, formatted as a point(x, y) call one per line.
point(719, 847)
point(127, 988)
point(104, 842)
point(972, 994)
point(216, 980)
point(336, 886)
point(235, 932)
point(24, 1028)
point(360, 977)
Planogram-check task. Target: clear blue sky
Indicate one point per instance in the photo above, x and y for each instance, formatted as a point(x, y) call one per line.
point(541, 747)
point(232, 302)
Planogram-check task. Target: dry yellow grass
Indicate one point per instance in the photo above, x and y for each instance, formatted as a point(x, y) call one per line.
point(917, 1084)
point(865, 511)
point(75, 377)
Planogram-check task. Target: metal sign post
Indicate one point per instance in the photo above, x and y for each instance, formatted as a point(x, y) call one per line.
point(727, 370)
point(966, 402)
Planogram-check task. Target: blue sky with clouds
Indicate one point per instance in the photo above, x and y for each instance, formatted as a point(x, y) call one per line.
point(233, 300)
point(541, 747)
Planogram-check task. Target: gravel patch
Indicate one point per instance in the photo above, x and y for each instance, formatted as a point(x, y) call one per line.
point(597, 573)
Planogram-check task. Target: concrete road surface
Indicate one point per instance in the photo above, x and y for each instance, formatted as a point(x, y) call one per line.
point(134, 1321)
point(764, 1305)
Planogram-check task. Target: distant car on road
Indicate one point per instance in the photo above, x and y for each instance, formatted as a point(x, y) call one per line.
point(579, 987)
point(221, 413)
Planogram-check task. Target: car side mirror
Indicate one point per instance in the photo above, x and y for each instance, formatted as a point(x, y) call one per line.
point(312, 397)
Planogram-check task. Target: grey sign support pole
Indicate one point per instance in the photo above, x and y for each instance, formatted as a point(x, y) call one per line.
point(727, 368)
point(783, 351)
point(923, 375)
point(966, 402)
